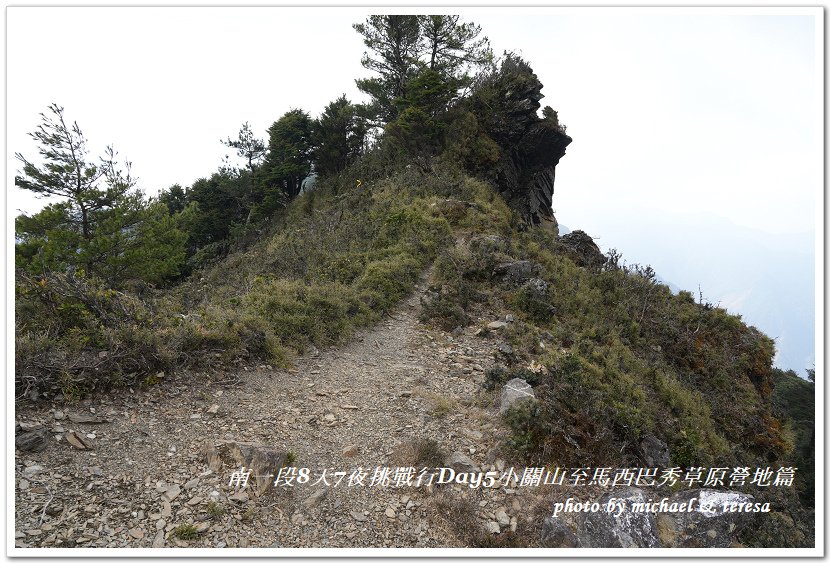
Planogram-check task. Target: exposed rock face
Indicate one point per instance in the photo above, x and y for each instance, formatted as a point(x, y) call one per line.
point(526, 172)
point(515, 391)
point(702, 522)
point(654, 451)
point(555, 533)
point(626, 529)
point(708, 525)
point(583, 249)
point(531, 146)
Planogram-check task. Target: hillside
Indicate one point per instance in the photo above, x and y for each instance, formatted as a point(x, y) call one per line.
point(383, 318)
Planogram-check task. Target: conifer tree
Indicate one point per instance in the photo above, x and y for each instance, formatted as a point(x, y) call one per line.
point(290, 152)
point(401, 47)
point(101, 225)
point(339, 134)
point(247, 146)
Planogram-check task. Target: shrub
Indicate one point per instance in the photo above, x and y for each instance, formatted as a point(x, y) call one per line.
point(530, 429)
point(498, 375)
point(444, 312)
point(215, 510)
point(385, 281)
point(419, 452)
point(494, 377)
point(186, 531)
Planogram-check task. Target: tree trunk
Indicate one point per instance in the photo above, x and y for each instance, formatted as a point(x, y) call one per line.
point(85, 222)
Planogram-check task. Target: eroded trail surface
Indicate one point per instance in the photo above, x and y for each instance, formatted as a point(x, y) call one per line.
point(145, 481)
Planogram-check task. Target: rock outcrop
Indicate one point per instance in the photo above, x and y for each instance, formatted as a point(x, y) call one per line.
point(515, 391)
point(582, 249)
point(690, 518)
point(624, 529)
point(530, 146)
point(712, 524)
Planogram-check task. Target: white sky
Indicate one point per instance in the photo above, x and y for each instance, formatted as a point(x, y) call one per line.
point(694, 113)
point(674, 113)
point(669, 110)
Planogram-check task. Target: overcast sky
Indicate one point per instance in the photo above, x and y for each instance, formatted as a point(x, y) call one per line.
point(674, 114)
point(669, 110)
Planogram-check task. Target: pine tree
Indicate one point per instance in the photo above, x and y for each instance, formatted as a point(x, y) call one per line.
point(394, 42)
point(290, 152)
point(247, 146)
point(453, 48)
point(339, 134)
point(66, 173)
point(402, 47)
point(102, 226)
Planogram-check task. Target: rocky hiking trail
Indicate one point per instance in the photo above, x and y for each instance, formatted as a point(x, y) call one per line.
point(152, 468)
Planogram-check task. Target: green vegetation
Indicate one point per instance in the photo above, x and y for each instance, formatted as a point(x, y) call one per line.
point(249, 515)
point(623, 357)
point(794, 402)
point(215, 510)
point(620, 348)
point(101, 226)
point(186, 531)
point(403, 47)
point(245, 266)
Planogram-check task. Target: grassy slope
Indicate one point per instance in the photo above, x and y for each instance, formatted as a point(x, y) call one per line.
point(621, 355)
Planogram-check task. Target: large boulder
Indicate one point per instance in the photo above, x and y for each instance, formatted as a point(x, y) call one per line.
point(582, 249)
point(515, 391)
point(654, 452)
point(690, 518)
point(625, 528)
point(264, 462)
point(556, 533)
point(708, 524)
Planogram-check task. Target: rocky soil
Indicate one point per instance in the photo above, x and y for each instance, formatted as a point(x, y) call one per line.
point(129, 469)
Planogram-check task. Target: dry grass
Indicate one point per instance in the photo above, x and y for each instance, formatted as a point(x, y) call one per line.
point(421, 452)
point(441, 405)
point(456, 517)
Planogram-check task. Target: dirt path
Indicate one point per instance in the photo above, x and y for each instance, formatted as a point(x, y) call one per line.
point(363, 406)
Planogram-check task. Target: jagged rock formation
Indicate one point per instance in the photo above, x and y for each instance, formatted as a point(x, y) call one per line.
point(690, 518)
point(515, 391)
point(626, 528)
point(711, 524)
point(531, 146)
point(582, 249)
